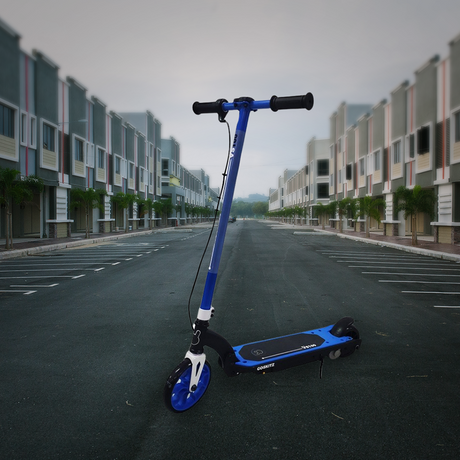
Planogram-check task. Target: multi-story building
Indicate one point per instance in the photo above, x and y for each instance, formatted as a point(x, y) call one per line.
point(412, 139)
point(183, 186)
point(277, 196)
point(317, 188)
point(52, 128)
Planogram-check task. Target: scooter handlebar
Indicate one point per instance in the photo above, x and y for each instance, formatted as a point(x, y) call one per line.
point(292, 102)
point(221, 106)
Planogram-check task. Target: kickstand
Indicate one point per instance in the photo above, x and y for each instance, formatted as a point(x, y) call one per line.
point(321, 368)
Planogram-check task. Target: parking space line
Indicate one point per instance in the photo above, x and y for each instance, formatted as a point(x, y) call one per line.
point(446, 306)
point(51, 270)
point(430, 292)
point(40, 263)
point(17, 290)
point(36, 277)
point(409, 274)
point(392, 262)
point(416, 282)
point(374, 256)
point(407, 268)
point(365, 253)
point(34, 285)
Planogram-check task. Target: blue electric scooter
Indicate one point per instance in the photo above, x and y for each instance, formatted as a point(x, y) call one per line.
point(190, 379)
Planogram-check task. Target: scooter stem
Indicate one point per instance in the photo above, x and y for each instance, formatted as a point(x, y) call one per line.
point(244, 106)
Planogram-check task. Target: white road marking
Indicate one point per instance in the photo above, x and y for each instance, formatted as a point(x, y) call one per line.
point(409, 274)
point(50, 270)
point(430, 292)
point(407, 268)
point(416, 282)
point(34, 285)
point(429, 263)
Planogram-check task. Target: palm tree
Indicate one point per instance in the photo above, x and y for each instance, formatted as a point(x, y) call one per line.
point(163, 208)
point(88, 200)
point(414, 201)
point(21, 191)
point(352, 209)
point(125, 200)
point(342, 207)
point(321, 210)
point(332, 207)
point(369, 207)
point(158, 208)
point(148, 203)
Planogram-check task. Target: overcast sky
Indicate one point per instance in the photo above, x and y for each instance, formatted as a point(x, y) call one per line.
point(162, 55)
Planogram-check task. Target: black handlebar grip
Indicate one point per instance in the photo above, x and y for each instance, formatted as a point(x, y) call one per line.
point(210, 107)
point(292, 102)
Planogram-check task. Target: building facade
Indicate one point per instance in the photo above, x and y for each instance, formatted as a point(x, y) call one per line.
point(52, 128)
point(411, 139)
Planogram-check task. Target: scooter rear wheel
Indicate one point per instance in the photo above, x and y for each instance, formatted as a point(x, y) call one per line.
point(177, 395)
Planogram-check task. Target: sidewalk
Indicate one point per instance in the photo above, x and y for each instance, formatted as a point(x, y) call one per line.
point(426, 245)
point(27, 246)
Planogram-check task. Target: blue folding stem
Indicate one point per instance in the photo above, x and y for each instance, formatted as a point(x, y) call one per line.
point(244, 110)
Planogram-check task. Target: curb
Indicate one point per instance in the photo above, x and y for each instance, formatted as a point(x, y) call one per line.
point(16, 253)
point(400, 247)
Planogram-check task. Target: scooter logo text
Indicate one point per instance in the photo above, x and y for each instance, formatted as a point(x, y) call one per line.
point(266, 366)
point(234, 144)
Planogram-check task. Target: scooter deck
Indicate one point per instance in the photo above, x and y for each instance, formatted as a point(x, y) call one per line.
point(281, 352)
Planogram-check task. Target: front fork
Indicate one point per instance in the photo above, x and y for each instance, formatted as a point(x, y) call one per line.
point(196, 353)
point(202, 336)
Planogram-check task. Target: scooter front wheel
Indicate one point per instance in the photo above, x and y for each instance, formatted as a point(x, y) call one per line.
point(177, 394)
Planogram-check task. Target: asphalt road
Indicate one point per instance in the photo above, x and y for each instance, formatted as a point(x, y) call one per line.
point(83, 363)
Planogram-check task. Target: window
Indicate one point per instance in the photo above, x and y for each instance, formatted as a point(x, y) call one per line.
point(323, 167)
point(411, 146)
point(48, 138)
point(349, 172)
point(164, 167)
point(306, 190)
point(33, 132)
point(6, 121)
point(457, 127)
point(90, 155)
point(331, 180)
point(331, 148)
point(377, 161)
point(78, 150)
point(323, 191)
point(339, 145)
point(397, 152)
point(306, 170)
point(100, 159)
point(24, 126)
point(339, 176)
point(423, 140)
point(361, 167)
point(117, 165)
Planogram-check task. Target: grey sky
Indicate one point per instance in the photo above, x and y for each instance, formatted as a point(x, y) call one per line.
point(162, 55)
